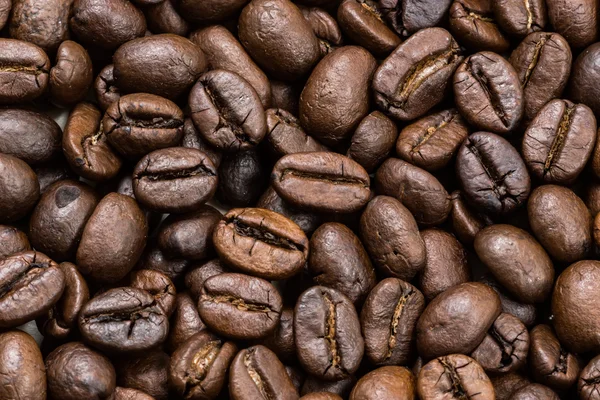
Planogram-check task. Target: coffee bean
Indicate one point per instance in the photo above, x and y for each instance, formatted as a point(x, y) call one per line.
point(325, 28)
point(71, 77)
point(24, 71)
point(158, 285)
point(385, 382)
point(105, 87)
point(193, 139)
point(22, 372)
point(185, 322)
point(342, 388)
point(5, 7)
point(587, 384)
point(242, 178)
point(306, 220)
point(281, 341)
point(473, 23)
point(550, 363)
point(286, 136)
point(163, 17)
point(201, 11)
point(12, 241)
point(564, 15)
point(466, 222)
point(518, 18)
point(195, 277)
point(286, 96)
point(45, 24)
point(153, 258)
point(372, 141)
point(507, 384)
point(261, 242)
point(147, 371)
point(408, 16)
point(527, 313)
point(19, 188)
point(583, 81)
point(52, 172)
point(535, 391)
point(131, 394)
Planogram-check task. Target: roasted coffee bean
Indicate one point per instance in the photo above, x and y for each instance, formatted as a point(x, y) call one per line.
point(30, 284)
point(488, 93)
point(45, 24)
point(22, 371)
point(583, 87)
point(391, 236)
point(432, 141)
point(24, 69)
point(454, 377)
point(153, 258)
point(445, 265)
point(158, 285)
point(256, 373)
point(50, 173)
point(5, 7)
point(550, 363)
point(592, 196)
point(517, 261)
point(520, 18)
point(561, 222)
point(320, 181)
point(466, 222)
point(86, 147)
point(559, 141)
point(336, 95)
point(77, 372)
point(195, 277)
point(342, 388)
point(106, 24)
point(543, 64)
point(72, 76)
point(587, 385)
point(574, 307)
point(492, 174)
point(388, 319)
point(185, 322)
point(139, 65)
point(29, 135)
point(105, 87)
point(338, 260)
point(130, 394)
point(285, 46)
point(194, 140)
point(281, 341)
point(329, 343)
point(306, 220)
point(286, 136)
point(19, 188)
point(325, 27)
point(564, 16)
point(175, 180)
point(139, 123)
point(199, 366)
point(223, 51)
point(373, 141)
point(286, 96)
point(148, 371)
point(408, 16)
point(473, 23)
point(417, 75)
point(417, 189)
point(123, 320)
point(505, 346)
point(456, 321)
point(163, 17)
point(362, 21)
point(385, 382)
point(227, 111)
point(527, 313)
point(535, 391)
point(507, 384)
point(12, 241)
point(242, 178)
point(239, 306)
point(200, 11)
point(261, 242)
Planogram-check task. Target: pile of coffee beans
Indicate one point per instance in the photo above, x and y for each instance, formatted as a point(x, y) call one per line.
point(306, 199)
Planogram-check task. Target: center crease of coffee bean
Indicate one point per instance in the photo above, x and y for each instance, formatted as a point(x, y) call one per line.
point(392, 341)
point(537, 51)
point(261, 234)
point(198, 170)
point(24, 278)
point(490, 93)
point(458, 391)
point(200, 366)
point(238, 303)
point(255, 376)
point(430, 132)
point(333, 179)
point(330, 333)
point(559, 140)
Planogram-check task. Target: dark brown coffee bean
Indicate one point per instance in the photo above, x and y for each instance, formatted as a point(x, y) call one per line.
point(457, 320)
point(574, 307)
point(338, 260)
point(223, 51)
point(535, 391)
point(139, 123)
point(488, 93)
point(285, 47)
point(561, 222)
point(342, 388)
point(473, 23)
point(564, 16)
point(148, 371)
point(130, 394)
point(31, 136)
point(362, 21)
point(432, 141)
point(550, 363)
point(466, 222)
point(592, 196)
point(329, 343)
point(50, 173)
point(417, 75)
point(30, 284)
point(57, 223)
point(527, 313)
point(102, 254)
point(320, 181)
point(174, 180)
point(505, 346)
point(454, 377)
point(158, 285)
point(587, 385)
point(139, 65)
point(261, 242)
point(22, 371)
point(86, 147)
point(391, 236)
point(373, 141)
point(446, 263)
point(336, 96)
point(520, 18)
point(24, 71)
point(195, 277)
point(583, 86)
point(239, 306)
point(256, 373)
point(409, 16)
point(193, 139)
point(492, 174)
point(388, 319)
point(507, 384)
point(123, 320)
point(543, 64)
point(242, 178)
point(286, 96)
point(12, 241)
point(281, 341)
point(72, 76)
point(163, 17)
point(105, 87)
point(227, 111)
point(385, 382)
point(200, 11)
point(325, 27)
point(306, 220)
point(153, 258)
point(19, 188)
point(45, 24)
point(5, 7)
point(416, 188)
point(185, 321)
point(286, 136)
point(199, 366)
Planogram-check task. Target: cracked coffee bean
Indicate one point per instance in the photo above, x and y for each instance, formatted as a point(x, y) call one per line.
point(158, 285)
point(473, 24)
point(105, 87)
point(519, 18)
point(24, 71)
point(285, 135)
point(589, 379)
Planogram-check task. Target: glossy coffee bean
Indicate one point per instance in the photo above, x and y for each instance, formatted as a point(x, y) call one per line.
point(320, 181)
point(306, 220)
point(146, 371)
point(154, 259)
point(281, 341)
point(105, 87)
point(507, 384)
point(388, 319)
point(24, 75)
point(22, 371)
point(286, 136)
point(535, 391)
point(45, 24)
point(72, 76)
point(185, 321)
point(416, 76)
point(175, 180)
point(390, 382)
point(75, 371)
point(50, 173)
point(550, 363)
point(329, 343)
point(466, 221)
point(565, 15)
point(12, 241)
point(473, 23)
point(325, 27)
point(587, 385)
point(158, 285)
point(373, 141)
point(488, 93)
point(198, 274)
point(464, 313)
point(123, 320)
point(518, 18)
point(19, 188)
point(492, 174)
point(583, 86)
point(163, 17)
point(242, 178)
point(239, 306)
point(199, 11)
point(527, 313)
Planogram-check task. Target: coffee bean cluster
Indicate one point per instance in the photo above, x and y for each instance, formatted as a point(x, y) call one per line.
point(315, 199)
